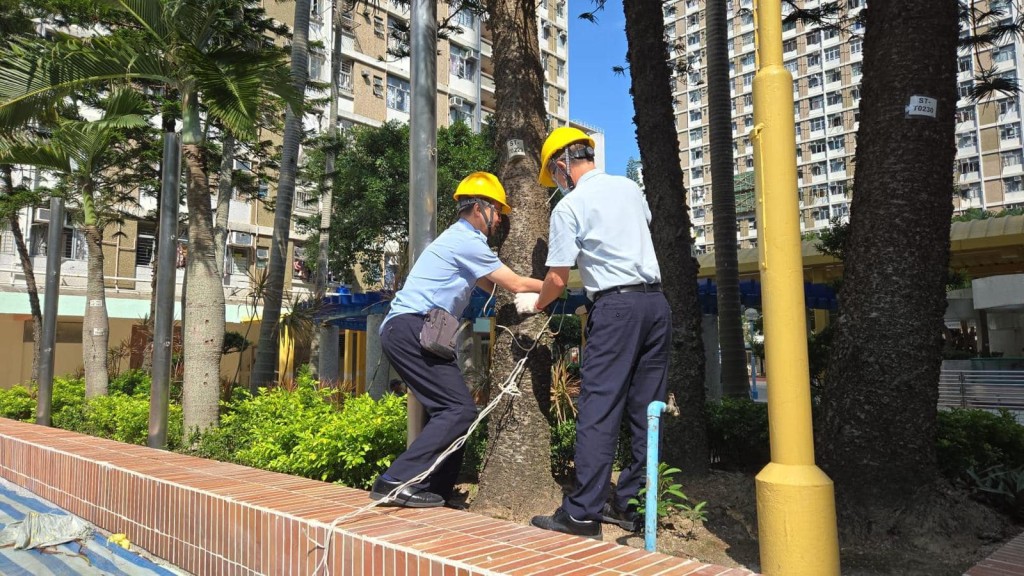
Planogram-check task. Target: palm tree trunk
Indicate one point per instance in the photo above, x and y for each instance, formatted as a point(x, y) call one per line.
point(879, 402)
point(723, 202)
point(686, 443)
point(266, 358)
point(203, 336)
point(517, 474)
point(95, 324)
point(224, 187)
point(27, 270)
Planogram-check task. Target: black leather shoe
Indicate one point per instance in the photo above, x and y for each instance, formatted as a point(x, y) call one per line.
point(625, 519)
point(561, 521)
point(410, 497)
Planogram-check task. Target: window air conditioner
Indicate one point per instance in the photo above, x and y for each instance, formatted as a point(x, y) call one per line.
point(240, 238)
point(455, 101)
point(42, 215)
point(262, 253)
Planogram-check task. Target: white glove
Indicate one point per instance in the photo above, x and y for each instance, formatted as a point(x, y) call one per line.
point(526, 303)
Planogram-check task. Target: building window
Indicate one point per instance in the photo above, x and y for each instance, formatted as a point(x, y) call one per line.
point(813, 38)
point(830, 33)
point(1007, 106)
point(561, 69)
point(792, 66)
point(1009, 131)
point(378, 26)
point(969, 140)
point(463, 63)
point(817, 147)
point(747, 60)
point(1004, 54)
point(695, 173)
point(818, 169)
point(378, 86)
point(144, 244)
point(1011, 158)
point(814, 80)
point(1012, 184)
point(815, 102)
point(968, 165)
point(817, 124)
point(832, 54)
point(460, 111)
point(963, 64)
point(695, 116)
point(835, 121)
point(697, 155)
point(964, 88)
point(748, 79)
point(964, 115)
point(398, 94)
point(464, 18)
point(789, 45)
point(856, 46)
point(696, 136)
point(834, 99)
point(813, 60)
point(345, 75)
point(747, 40)
point(837, 165)
point(836, 143)
point(396, 38)
point(834, 75)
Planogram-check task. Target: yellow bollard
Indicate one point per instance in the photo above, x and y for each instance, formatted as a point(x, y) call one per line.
point(348, 368)
point(360, 362)
point(796, 512)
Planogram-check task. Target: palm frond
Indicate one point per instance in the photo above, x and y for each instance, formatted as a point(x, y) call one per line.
point(33, 72)
point(42, 154)
point(149, 14)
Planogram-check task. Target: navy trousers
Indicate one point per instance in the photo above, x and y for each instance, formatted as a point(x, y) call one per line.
point(625, 368)
point(440, 388)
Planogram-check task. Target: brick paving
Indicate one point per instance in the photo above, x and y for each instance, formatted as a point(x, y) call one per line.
point(1007, 561)
point(211, 517)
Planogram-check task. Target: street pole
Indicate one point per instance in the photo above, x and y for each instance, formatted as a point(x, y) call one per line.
point(163, 322)
point(796, 512)
point(51, 291)
point(422, 151)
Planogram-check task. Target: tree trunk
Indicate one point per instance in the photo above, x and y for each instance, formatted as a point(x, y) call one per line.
point(224, 188)
point(95, 324)
point(27, 270)
point(323, 331)
point(203, 317)
point(670, 230)
point(517, 471)
point(879, 403)
point(723, 204)
point(266, 357)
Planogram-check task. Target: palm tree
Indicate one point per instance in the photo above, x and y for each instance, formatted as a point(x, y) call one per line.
point(177, 44)
point(263, 370)
point(12, 202)
point(723, 202)
point(670, 228)
point(76, 148)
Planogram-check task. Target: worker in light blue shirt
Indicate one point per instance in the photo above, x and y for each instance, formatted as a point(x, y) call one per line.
point(601, 225)
point(435, 294)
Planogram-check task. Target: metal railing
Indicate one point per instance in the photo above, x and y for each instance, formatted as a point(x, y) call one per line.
point(984, 389)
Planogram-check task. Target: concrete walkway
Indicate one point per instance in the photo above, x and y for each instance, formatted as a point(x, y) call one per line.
point(96, 557)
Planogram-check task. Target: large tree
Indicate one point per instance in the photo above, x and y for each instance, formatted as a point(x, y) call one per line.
point(879, 402)
point(650, 77)
point(182, 45)
point(81, 150)
point(723, 202)
point(517, 471)
point(273, 291)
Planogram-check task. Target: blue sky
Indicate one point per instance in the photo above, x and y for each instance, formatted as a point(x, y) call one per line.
point(597, 96)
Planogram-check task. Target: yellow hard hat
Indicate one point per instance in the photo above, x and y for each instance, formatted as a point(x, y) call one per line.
point(483, 185)
point(555, 143)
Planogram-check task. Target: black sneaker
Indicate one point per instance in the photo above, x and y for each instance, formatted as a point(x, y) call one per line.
point(561, 521)
point(410, 497)
point(625, 519)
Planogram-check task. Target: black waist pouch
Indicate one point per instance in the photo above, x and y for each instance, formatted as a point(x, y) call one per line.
point(438, 333)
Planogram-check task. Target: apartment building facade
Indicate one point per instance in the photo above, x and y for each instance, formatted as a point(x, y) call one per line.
point(374, 88)
point(826, 64)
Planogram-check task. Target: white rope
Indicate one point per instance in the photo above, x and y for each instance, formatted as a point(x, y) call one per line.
point(510, 387)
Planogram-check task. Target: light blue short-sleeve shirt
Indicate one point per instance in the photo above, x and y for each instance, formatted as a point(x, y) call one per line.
point(445, 273)
point(603, 227)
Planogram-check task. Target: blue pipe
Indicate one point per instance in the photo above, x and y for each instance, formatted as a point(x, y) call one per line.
point(654, 410)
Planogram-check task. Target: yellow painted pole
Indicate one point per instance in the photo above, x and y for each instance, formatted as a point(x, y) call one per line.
point(360, 362)
point(349, 361)
point(796, 512)
point(285, 356)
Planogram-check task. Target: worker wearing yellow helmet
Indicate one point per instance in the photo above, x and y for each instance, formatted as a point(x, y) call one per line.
point(601, 225)
point(417, 337)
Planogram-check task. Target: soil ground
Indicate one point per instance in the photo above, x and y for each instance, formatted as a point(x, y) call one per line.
point(940, 532)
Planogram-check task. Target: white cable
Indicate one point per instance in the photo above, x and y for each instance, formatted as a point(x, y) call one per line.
point(509, 386)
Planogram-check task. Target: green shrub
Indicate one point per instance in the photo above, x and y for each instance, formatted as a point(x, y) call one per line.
point(977, 440)
point(738, 434)
point(130, 383)
point(475, 449)
point(563, 449)
point(301, 432)
point(17, 403)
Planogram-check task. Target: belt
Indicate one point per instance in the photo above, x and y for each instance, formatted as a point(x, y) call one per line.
point(656, 287)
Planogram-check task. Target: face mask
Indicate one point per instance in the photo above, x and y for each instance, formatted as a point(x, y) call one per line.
point(499, 231)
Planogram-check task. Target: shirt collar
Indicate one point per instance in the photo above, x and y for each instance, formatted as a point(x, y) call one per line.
point(591, 174)
point(467, 226)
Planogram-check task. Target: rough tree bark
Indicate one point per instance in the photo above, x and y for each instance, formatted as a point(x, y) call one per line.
point(879, 402)
point(517, 471)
